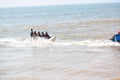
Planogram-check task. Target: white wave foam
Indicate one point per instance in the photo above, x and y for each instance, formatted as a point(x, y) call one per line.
point(96, 43)
point(24, 42)
point(99, 43)
point(27, 42)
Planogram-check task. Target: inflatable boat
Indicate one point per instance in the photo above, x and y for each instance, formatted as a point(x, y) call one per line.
point(116, 38)
point(52, 39)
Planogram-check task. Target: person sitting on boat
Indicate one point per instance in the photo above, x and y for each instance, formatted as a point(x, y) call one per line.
point(35, 35)
point(47, 36)
point(31, 33)
point(39, 35)
point(116, 37)
point(43, 35)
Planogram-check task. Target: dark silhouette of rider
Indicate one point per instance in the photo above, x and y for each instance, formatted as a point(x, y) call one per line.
point(47, 36)
point(31, 33)
point(35, 35)
point(43, 35)
point(39, 35)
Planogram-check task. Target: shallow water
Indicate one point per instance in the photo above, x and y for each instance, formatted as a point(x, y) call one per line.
point(82, 49)
point(60, 61)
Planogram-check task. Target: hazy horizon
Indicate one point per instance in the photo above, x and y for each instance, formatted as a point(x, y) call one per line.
point(29, 3)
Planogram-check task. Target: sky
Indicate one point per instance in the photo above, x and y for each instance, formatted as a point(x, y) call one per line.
point(20, 3)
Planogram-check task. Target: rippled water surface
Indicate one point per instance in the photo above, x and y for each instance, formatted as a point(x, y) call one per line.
point(82, 50)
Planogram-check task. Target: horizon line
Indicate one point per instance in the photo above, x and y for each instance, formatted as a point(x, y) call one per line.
point(56, 5)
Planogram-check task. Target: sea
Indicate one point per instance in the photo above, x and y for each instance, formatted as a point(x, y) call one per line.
point(82, 49)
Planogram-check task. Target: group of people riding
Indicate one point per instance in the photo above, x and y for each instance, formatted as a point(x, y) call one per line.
point(35, 35)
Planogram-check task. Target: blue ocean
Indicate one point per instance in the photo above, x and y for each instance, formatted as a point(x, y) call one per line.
point(82, 49)
point(24, 16)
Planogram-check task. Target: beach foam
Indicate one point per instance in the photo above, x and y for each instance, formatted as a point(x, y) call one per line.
point(27, 42)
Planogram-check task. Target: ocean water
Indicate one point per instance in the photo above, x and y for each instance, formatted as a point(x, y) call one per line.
point(82, 50)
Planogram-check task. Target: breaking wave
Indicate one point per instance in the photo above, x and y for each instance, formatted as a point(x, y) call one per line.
point(23, 42)
point(27, 42)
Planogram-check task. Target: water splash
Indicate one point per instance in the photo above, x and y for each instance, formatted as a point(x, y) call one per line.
point(24, 42)
point(27, 42)
point(93, 43)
